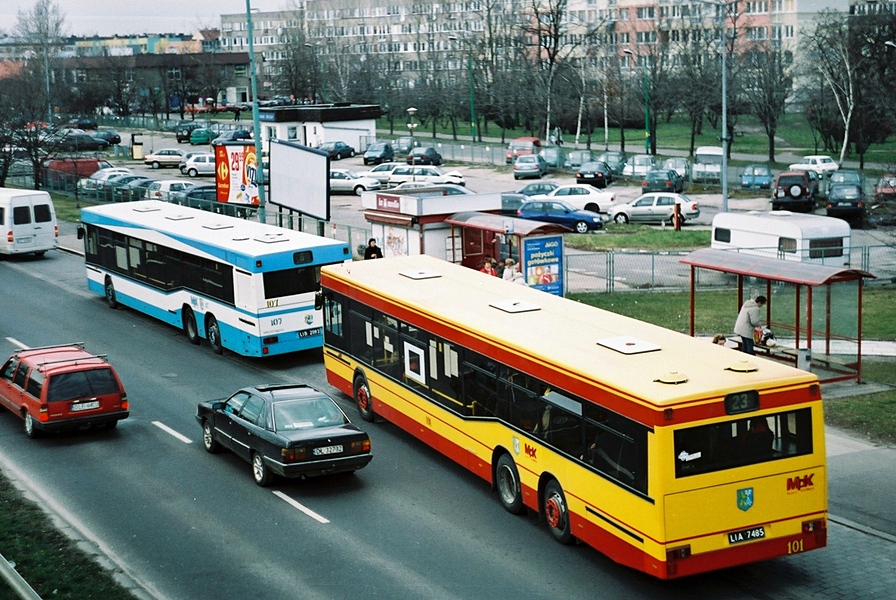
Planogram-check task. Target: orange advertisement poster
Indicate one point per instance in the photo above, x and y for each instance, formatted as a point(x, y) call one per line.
point(236, 171)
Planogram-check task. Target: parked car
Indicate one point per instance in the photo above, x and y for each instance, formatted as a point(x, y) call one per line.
point(379, 152)
point(82, 123)
point(426, 173)
point(199, 195)
point(707, 167)
point(577, 158)
point(199, 164)
point(795, 191)
point(511, 201)
point(202, 136)
point(529, 165)
point(166, 157)
point(756, 176)
point(846, 176)
point(659, 180)
point(107, 135)
point(521, 146)
point(680, 165)
point(885, 190)
point(596, 173)
point(162, 190)
point(337, 150)
point(554, 156)
point(232, 135)
point(615, 159)
point(63, 387)
point(562, 213)
point(434, 189)
point(343, 180)
point(133, 190)
point(75, 141)
point(424, 156)
point(846, 201)
point(582, 197)
point(655, 207)
point(820, 163)
point(182, 132)
point(403, 145)
point(638, 165)
point(106, 187)
point(287, 430)
point(88, 185)
point(381, 172)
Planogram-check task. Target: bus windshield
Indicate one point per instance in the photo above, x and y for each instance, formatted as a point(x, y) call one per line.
point(740, 442)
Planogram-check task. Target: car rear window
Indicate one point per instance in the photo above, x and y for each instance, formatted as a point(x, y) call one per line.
point(791, 180)
point(80, 384)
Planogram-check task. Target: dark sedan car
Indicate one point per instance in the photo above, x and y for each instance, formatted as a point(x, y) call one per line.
point(110, 137)
point(658, 180)
point(77, 142)
point(596, 173)
point(846, 200)
point(555, 211)
point(133, 190)
point(424, 156)
point(337, 150)
point(291, 430)
point(511, 201)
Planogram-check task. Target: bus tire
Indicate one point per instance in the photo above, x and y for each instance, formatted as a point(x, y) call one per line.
point(213, 333)
point(110, 294)
point(507, 480)
point(363, 398)
point(189, 323)
point(557, 513)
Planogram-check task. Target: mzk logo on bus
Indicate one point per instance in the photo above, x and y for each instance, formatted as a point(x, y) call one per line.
point(745, 499)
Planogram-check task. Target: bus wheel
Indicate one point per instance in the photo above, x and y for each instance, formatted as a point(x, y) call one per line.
point(507, 480)
point(556, 512)
point(213, 333)
point(189, 321)
point(110, 294)
point(363, 398)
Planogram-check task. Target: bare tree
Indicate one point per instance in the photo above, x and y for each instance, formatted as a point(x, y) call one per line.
point(769, 83)
point(42, 30)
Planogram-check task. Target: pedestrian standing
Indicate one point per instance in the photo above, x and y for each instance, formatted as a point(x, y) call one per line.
point(236, 115)
point(372, 250)
point(747, 321)
point(488, 268)
point(509, 268)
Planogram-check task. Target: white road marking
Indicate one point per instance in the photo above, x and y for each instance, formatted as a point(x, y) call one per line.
point(171, 432)
point(302, 508)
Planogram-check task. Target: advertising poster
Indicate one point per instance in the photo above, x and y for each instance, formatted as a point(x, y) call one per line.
point(236, 169)
point(542, 263)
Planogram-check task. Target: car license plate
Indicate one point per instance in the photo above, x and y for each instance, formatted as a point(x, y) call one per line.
point(747, 535)
point(309, 332)
point(844, 204)
point(588, 174)
point(86, 405)
point(327, 450)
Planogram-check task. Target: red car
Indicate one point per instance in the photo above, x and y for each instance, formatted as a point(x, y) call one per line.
point(57, 388)
point(885, 188)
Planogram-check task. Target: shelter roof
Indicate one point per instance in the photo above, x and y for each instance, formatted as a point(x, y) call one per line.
point(504, 223)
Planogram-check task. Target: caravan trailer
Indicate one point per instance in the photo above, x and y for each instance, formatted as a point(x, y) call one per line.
point(784, 235)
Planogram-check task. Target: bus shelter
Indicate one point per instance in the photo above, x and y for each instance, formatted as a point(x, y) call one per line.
point(814, 311)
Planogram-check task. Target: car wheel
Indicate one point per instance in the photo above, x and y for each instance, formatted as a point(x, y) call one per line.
point(189, 324)
point(192, 172)
point(592, 207)
point(209, 442)
point(363, 398)
point(680, 220)
point(260, 472)
point(213, 333)
point(156, 165)
point(556, 512)
point(351, 153)
point(581, 227)
point(515, 178)
point(359, 189)
point(110, 294)
point(507, 481)
point(621, 218)
point(30, 430)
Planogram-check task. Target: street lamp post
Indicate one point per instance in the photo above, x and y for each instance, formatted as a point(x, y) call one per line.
point(256, 125)
point(472, 90)
point(646, 103)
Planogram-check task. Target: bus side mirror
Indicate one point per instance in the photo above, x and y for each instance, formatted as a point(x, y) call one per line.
point(319, 300)
point(80, 233)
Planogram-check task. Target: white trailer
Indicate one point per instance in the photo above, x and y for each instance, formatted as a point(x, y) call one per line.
point(784, 235)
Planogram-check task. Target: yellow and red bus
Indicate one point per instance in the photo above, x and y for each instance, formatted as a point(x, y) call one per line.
point(667, 453)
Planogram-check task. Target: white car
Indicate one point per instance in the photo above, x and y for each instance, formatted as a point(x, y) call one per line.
point(382, 171)
point(821, 164)
point(91, 183)
point(655, 207)
point(343, 180)
point(426, 173)
point(199, 164)
point(166, 157)
point(161, 190)
point(638, 165)
point(581, 196)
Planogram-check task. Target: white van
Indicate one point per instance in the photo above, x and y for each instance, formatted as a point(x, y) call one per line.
point(784, 235)
point(707, 164)
point(28, 222)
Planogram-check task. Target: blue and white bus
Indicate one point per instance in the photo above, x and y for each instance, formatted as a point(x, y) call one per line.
point(241, 285)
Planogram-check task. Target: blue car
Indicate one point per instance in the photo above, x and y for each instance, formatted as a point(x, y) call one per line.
point(756, 176)
point(556, 211)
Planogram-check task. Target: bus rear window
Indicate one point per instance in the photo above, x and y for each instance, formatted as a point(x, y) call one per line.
point(290, 282)
point(741, 442)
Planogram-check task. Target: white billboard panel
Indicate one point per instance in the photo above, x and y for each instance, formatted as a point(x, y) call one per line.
point(300, 178)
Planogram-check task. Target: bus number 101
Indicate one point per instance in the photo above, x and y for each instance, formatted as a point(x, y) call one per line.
point(795, 547)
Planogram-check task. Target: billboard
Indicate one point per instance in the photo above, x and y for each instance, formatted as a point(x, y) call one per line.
point(236, 173)
point(300, 178)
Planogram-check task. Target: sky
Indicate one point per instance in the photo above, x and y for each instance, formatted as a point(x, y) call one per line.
point(110, 17)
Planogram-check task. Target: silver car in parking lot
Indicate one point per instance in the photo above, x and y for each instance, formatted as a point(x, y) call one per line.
point(654, 207)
